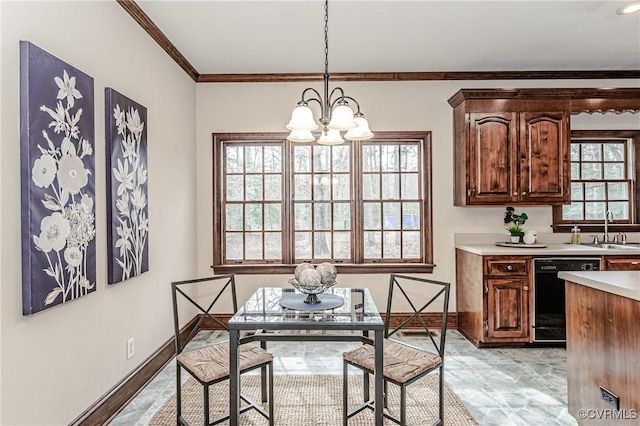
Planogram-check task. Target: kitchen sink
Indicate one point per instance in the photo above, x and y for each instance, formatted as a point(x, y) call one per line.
point(614, 246)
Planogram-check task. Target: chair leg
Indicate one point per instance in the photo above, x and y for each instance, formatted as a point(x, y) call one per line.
point(178, 394)
point(365, 386)
point(345, 393)
point(263, 383)
point(206, 405)
point(403, 405)
point(263, 372)
point(385, 399)
point(441, 396)
point(272, 413)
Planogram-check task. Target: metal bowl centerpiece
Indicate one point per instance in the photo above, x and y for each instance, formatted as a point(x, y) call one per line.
point(313, 281)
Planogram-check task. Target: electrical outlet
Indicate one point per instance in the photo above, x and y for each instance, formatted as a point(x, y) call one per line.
point(130, 348)
point(610, 397)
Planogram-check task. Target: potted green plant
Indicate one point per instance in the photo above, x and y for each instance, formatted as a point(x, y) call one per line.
point(516, 231)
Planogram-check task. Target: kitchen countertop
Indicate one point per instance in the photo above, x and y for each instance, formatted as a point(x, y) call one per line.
point(621, 283)
point(553, 249)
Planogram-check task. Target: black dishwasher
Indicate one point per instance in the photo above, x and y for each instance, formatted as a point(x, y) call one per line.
point(549, 318)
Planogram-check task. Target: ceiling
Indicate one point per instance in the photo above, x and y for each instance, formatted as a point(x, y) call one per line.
point(268, 36)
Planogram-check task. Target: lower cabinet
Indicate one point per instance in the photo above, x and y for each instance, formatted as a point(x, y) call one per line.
point(494, 295)
point(621, 263)
point(493, 298)
point(507, 316)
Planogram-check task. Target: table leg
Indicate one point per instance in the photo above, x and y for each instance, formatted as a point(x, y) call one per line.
point(379, 378)
point(234, 378)
point(365, 375)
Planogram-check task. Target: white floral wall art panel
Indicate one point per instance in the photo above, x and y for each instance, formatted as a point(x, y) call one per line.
point(127, 213)
point(57, 176)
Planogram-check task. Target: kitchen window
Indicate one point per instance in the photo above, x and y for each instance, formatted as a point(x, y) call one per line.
point(364, 205)
point(603, 178)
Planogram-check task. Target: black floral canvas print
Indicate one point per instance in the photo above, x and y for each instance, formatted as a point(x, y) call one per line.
point(127, 213)
point(57, 177)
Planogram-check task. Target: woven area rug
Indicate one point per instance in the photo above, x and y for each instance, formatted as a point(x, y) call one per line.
point(305, 400)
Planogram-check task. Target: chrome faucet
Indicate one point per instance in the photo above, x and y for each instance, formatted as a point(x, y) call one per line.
point(620, 238)
point(608, 216)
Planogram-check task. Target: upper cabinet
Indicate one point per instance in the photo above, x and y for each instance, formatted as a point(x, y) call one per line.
point(510, 151)
point(544, 157)
point(511, 146)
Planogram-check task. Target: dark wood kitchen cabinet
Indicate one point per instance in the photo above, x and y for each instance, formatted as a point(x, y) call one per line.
point(493, 298)
point(621, 263)
point(510, 149)
point(603, 342)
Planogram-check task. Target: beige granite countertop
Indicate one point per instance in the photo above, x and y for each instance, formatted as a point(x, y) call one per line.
point(550, 250)
point(555, 245)
point(621, 283)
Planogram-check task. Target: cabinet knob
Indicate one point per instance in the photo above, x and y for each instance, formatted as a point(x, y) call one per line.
point(526, 288)
point(515, 194)
point(509, 267)
point(524, 193)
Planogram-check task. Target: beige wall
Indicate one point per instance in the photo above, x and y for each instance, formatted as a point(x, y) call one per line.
point(55, 364)
point(266, 107)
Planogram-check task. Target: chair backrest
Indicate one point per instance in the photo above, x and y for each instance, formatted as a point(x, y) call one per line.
point(208, 291)
point(419, 294)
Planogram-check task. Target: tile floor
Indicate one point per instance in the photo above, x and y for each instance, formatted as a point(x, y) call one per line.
point(502, 387)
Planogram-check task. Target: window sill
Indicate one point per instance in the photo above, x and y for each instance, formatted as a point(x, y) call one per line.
point(369, 268)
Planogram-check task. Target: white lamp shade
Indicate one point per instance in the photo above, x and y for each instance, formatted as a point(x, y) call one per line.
point(629, 8)
point(330, 137)
point(302, 119)
point(301, 136)
point(360, 133)
point(342, 118)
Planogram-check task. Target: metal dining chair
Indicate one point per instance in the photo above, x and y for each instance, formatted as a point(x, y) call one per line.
point(403, 363)
point(210, 364)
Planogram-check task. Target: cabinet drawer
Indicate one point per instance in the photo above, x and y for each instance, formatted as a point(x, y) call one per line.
point(507, 267)
point(622, 264)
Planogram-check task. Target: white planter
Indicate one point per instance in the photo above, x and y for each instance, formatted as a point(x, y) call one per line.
point(515, 239)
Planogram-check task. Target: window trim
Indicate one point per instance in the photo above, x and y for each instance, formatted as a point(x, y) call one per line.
point(279, 268)
point(634, 226)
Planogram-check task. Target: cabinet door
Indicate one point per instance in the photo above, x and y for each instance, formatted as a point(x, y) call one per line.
point(507, 310)
point(544, 150)
point(492, 152)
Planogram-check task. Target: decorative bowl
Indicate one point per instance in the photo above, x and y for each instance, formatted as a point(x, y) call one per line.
point(313, 281)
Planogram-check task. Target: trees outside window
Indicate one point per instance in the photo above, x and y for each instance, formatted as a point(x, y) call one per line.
point(603, 171)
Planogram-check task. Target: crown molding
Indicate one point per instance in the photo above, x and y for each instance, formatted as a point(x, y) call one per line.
point(152, 29)
point(421, 76)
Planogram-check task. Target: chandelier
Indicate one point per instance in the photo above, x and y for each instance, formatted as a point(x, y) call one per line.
point(335, 113)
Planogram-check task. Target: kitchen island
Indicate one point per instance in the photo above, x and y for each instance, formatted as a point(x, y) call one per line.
point(603, 346)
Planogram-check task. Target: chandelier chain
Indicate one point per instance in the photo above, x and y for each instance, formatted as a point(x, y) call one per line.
point(326, 37)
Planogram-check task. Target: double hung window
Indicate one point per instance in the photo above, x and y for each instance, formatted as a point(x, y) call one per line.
point(365, 205)
point(603, 175)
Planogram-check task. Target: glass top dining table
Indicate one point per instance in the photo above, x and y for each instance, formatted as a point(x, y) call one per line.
point(264, 314)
